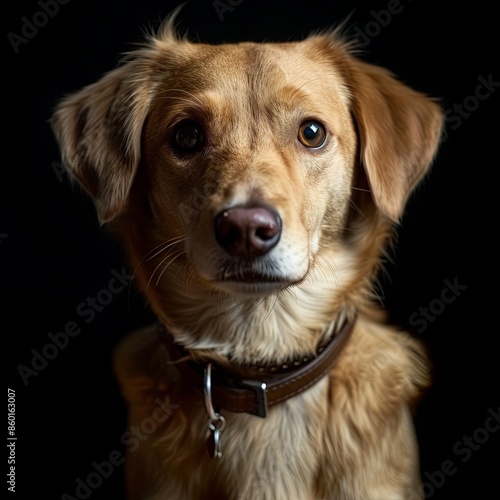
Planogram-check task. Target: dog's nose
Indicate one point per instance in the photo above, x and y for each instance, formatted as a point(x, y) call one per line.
point(247, 231)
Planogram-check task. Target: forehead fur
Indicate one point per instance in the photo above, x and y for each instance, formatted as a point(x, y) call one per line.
point(319, 60)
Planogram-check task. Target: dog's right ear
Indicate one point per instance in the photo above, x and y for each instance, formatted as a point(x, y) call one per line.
point(99, 134)
point(99, 128)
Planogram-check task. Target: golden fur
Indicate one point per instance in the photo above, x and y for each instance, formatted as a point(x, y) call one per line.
point(350, 436)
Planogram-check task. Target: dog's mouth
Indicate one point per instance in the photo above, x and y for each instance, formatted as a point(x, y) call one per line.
point(250, 277)
point(249, 282)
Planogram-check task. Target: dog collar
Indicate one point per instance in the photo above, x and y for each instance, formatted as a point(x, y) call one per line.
point(252, 389)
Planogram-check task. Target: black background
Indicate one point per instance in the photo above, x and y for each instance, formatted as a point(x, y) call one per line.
point(54, 255)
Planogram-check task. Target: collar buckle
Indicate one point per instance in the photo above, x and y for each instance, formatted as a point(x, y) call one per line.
point(260, 390)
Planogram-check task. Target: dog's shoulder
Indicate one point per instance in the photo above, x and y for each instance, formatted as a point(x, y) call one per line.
point(382, 366)
point(141, 366)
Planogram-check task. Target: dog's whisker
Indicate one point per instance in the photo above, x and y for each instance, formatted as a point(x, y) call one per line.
point(159, 266)
point(161, 244)
point(168, 244)
point(177, 239)
point(145, 258)
point(165, 246)
point(361, 189)
point(357, 209)
point(173, 257)
point(180, 269)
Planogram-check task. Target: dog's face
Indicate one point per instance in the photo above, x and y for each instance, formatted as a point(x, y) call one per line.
point(251, 151)
point(246, 156)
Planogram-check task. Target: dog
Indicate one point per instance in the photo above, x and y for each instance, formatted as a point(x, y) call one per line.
point(255, 187)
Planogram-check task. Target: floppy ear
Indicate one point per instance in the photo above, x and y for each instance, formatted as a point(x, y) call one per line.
point(399, 132)
point(99, 133)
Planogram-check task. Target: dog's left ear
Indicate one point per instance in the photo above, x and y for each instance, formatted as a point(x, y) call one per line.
point(399, 132)
point(399, 128)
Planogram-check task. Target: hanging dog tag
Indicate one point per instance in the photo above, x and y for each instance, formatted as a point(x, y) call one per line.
point(214, 444)
point(217, 421)
point(214, 448)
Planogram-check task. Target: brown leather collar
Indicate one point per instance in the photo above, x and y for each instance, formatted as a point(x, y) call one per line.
point(253, 389)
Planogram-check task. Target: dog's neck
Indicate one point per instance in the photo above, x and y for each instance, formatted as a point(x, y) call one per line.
point(252, 389)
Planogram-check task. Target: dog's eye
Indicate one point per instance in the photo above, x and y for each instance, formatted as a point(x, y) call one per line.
point(188, 136)
point(312, 134)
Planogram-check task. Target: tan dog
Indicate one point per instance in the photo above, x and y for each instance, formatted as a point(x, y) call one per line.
point(254, 187)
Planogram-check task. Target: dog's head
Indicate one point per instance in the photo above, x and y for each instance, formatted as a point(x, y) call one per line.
point(245, 160)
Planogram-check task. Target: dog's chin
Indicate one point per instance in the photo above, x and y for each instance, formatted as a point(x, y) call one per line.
point(243, 289)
